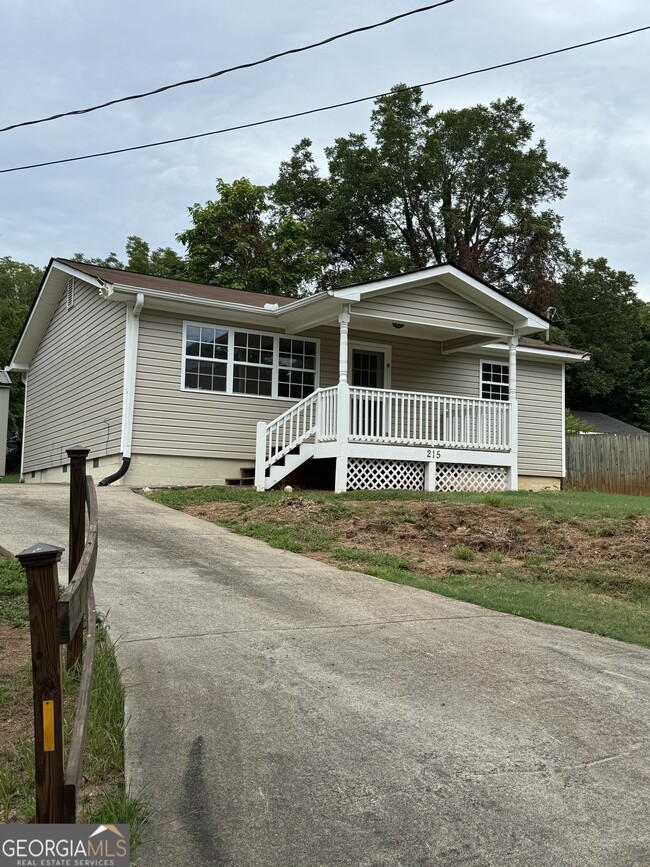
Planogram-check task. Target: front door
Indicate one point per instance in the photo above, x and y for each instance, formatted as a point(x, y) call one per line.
point(368, 368)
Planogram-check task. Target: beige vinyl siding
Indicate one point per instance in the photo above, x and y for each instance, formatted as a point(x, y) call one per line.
point(170, 420)
point(539, 394)
point(75, 381)
point(417, 365)
point(173, 421)
point(433, 305)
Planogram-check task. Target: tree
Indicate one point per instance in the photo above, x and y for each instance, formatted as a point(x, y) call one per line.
point(600, 312)
point(163, 262)
point(19, 284)
point(239, 241)
point(463, 186)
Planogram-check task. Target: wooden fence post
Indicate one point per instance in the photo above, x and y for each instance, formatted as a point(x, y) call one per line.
point(39, 562)
point(77, 539)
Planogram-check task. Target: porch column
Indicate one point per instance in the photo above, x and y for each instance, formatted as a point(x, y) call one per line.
point(513, 475)
point(343, 405)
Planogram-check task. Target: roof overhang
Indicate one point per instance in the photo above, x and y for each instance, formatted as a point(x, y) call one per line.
point(298, 316)
point(522, 320)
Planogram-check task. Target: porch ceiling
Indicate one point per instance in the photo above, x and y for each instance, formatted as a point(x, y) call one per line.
point(438, 334)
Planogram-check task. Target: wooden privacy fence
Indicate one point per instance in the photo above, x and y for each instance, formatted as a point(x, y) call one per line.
point(55, 619)
point(614, 463)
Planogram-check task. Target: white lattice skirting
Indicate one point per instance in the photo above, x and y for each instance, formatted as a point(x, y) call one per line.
point(467, 477)
point(368, 474)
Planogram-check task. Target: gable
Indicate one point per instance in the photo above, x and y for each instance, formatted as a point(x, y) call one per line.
point(433, 305)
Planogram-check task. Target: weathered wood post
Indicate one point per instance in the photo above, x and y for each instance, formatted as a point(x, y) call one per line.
point(39, 562)
point(77, 455)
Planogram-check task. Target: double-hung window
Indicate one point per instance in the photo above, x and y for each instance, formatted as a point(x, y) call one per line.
point(494, 380)
point(236, 361)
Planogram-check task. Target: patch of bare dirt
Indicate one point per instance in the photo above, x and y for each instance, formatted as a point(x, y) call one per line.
point(426, 533)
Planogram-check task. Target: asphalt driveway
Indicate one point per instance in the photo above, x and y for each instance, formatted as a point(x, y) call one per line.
point(284, 713)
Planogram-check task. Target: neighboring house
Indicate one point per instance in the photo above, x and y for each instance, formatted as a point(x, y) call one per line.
point(607, 424)
point(5, 385)
point(425, 380)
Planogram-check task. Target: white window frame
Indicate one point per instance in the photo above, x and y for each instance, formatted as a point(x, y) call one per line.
point(386, 348)
point(482, 381)
point(230, 362)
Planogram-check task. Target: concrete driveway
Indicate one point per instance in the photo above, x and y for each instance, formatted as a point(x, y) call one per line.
point(286, 714)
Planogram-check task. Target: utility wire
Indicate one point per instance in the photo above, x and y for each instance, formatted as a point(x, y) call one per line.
point(322, 108)
point(220, 72)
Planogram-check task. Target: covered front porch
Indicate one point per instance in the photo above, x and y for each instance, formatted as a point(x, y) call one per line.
point(383, 436)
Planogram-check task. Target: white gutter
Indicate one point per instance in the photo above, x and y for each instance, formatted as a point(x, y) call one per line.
point(22, 445)
point(130, 367)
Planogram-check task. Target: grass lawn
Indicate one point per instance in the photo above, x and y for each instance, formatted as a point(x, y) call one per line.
point(10, 479)
point(580, 560)
point(103, 798)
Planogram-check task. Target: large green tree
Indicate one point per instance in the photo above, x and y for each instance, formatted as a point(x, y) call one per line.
point(465, 186)
point(19, 283)
point(599, 311)
point(240, 241)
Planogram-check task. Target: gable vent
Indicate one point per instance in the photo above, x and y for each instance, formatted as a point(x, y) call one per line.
point(69, 293)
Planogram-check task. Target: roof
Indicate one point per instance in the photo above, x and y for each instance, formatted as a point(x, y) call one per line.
point(176, 287)
point(533, 343)
point(295, 314)
point(607, 424)
point(5, 379)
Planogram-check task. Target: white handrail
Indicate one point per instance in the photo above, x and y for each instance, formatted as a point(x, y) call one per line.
point(314, 415)
point(417, 418)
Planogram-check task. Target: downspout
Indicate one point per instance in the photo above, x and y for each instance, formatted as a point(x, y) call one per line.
point(22, 445)
point(128, 393)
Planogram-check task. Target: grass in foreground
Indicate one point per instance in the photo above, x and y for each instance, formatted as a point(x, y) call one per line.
point(104, 797)
point(10, 479)
point(567, 558)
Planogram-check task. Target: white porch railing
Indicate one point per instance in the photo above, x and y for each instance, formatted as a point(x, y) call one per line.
point(317, 412)
point(418, 418)
point(386, 417)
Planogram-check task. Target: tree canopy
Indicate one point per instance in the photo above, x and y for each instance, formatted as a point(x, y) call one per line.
point(468, 186)
point(19, 283)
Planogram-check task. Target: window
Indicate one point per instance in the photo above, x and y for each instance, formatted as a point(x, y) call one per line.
point(297, 367)
point(494, 380)
point(218, 358)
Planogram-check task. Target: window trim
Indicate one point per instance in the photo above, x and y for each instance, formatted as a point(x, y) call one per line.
point(230, 361)
point(481, 380)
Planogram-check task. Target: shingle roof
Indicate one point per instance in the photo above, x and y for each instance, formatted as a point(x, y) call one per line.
point(533, 343)
point(177, 287)
point(221, 293)
point(602, 423)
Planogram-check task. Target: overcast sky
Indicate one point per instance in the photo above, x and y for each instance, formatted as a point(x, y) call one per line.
point(591, 106)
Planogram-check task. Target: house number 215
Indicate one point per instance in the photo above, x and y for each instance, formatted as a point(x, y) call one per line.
point(434, 454)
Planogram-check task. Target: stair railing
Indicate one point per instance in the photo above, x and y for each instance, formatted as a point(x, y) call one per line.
point(314, 416)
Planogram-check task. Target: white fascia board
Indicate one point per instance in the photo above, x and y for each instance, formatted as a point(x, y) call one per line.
point(298, 316)
point(541, 354)
point(464, 285)
point(81, 275)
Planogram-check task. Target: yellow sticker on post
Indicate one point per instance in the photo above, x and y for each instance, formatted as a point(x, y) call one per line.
point(48, 726)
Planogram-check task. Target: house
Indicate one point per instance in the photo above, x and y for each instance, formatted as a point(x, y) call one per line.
point(426, 380)
point(607, 424)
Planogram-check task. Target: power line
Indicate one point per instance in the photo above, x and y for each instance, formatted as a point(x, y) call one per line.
point(322, 108)
point(220, 72)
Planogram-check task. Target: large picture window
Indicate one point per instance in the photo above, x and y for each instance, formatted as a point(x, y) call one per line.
point(494, 380)
point(234, 361)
